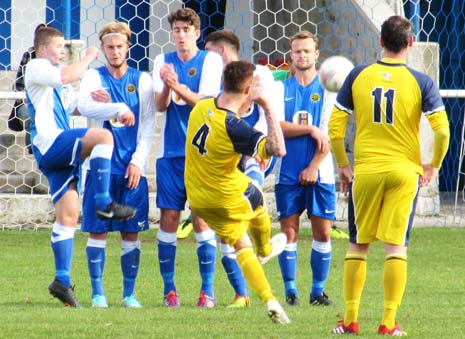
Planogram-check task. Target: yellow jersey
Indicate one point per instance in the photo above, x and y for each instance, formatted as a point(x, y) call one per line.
point(216, 140)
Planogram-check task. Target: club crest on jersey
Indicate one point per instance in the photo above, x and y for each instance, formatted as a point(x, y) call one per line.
point(177, 99)
point(315, 97)
point(302, 118)
point(131, 88)
point(192, 72)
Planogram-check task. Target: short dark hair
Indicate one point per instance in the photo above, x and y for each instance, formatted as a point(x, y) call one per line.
point(237, 76)
point(225, 35)
point(186, 15)
point(396, 32)
point(44, 35)
point(305, 35)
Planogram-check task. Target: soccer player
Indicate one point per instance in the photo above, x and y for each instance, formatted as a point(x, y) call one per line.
point(58, 149)
point(227, 44)
point(106, 92)
point(387, 100)
point(228, 200)
point(180, 79)
point(305, 176)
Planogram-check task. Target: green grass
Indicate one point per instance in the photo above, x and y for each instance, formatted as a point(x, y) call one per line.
point(433, 307)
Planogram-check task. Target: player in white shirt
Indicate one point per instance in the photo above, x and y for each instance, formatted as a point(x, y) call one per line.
point(58, 149)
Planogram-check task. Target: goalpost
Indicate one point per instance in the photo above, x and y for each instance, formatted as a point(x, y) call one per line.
point(346, 27)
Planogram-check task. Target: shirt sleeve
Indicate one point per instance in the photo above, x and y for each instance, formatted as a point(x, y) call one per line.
point(92, 109)
point(212, 72)
point(147, 122)
point(157, 83)
point(41, 72)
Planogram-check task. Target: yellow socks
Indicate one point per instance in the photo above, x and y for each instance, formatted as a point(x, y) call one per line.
point(254, 274)
point(355, 269)
point(394, 281)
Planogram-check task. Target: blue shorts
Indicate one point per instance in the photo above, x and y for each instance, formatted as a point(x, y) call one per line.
point(318, 199)
point(171, 190)
point(138, 198)
point(60, 164)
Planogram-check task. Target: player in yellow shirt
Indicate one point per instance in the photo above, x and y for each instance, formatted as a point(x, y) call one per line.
point(219, 192)
point(387, 100)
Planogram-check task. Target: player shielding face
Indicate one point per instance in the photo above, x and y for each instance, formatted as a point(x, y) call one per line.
point(387, 100)
point(107, 92)
point(218, 191)
point(180, 79)
point(305, 176)
point(58, 149)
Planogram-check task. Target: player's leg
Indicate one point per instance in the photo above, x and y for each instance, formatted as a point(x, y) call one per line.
point(206, 253)
point(171, 199)
point(365, 200)
point(95, 251)
point(290, 202)
point(235, 277)
point(321, 208)
point(396, 220)
point(255, 276)
point(130, 260)
point(62, 243)
point(98, 145)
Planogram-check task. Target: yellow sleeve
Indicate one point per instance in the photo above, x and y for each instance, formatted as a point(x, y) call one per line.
point(337, 131)
point(261, 152)
point(440, 125)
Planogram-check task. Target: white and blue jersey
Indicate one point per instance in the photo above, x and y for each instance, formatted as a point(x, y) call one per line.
point(55, 146)
point(201, 74)
point(304, 105)
point(132, 92)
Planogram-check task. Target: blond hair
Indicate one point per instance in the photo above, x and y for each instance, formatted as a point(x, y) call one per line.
point(115, 28)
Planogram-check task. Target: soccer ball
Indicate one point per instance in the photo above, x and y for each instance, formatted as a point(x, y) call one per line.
point(333, 71)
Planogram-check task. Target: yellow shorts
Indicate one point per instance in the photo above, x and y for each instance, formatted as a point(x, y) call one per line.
point(382, 207)
point(230, 222)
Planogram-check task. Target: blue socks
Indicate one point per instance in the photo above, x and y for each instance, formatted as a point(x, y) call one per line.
point(206, 252)
point(166, 257)
point(288, 264)
point(232, 269)
point(100, 170)
point(96, 263)
point(320, 262)
point(62, 242)
point(130, 259)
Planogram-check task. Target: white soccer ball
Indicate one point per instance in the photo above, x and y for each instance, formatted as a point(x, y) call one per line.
point(333, 71)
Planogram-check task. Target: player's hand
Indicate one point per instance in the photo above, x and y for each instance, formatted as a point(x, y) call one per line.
point(345, 176)
point(100, 95)
point(132, 175)
point(128, 118)
point(92, 53)
point(429, 173)
point(322, 142)
point(261, 163)
point(308, 176)
point(256, 93)
point(168, 75)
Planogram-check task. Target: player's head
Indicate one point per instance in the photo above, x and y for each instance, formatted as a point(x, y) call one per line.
point(237, 77)
point(115, 40)
point(49, 43)
point(396, 34)
point(225, 43)
point(185, 28)
point(304, 51)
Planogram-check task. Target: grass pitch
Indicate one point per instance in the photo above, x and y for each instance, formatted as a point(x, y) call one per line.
point(433, 305)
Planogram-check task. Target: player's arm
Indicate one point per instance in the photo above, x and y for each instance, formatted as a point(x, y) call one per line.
point(274, 145)
point(337, 131)
point(145, 133)
point(74, 71)
point(310, 174)
point(440, 125)
point(162, 93)
point(92, 109)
